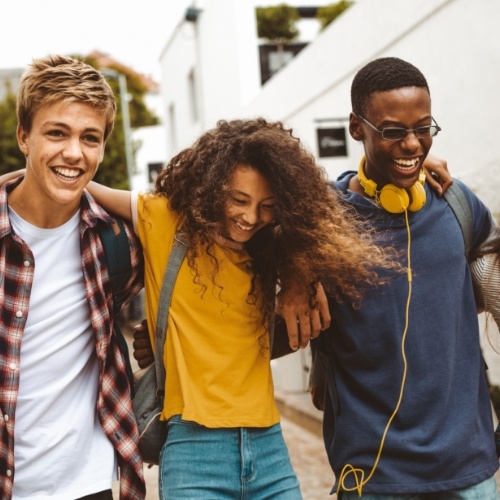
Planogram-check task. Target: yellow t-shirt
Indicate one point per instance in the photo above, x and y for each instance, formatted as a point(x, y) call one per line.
point(217, 351)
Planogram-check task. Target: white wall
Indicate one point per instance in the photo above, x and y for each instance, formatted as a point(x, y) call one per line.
point(456, 43)
point(152, 150)
point(222, 46)
point(177, 61)
point(230, 64)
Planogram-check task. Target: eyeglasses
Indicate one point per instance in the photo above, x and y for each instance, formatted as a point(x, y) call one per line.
point(399, 133)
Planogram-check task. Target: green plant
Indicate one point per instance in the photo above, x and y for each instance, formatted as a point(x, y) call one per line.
point(11, 157)
point(277, 23)
point(329, 13)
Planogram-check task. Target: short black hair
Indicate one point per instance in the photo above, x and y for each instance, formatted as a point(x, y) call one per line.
point(382, 75)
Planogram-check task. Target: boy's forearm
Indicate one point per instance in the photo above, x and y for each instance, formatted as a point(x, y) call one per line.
point(116, 201)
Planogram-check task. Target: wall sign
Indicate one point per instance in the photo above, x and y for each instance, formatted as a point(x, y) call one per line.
point(331, 141)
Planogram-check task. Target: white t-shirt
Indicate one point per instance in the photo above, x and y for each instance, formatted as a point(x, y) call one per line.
point(61, 451)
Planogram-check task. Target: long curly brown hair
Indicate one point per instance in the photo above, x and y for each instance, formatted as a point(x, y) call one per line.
point(314, 235)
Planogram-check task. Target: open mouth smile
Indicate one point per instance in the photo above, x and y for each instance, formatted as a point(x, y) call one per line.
point(243, 227)
point(67, 173)
point(406, 165)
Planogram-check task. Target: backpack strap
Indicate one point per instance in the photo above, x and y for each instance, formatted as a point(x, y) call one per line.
point(173, 265)
point(461, 208)
point(115, 243)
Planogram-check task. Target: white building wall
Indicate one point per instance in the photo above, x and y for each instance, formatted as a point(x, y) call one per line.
point(178, 59)
point(230, 63)
point(222, 46)
point(152, 149)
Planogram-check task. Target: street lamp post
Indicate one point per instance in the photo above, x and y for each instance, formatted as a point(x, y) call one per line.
point(122, 87)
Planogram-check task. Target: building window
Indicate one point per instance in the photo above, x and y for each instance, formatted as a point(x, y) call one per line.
point(193, 101)
point(172, 124)
point(272, 59)
point(153, 170)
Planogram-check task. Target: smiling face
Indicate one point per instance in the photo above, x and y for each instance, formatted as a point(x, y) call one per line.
point(250, 204)
point(64, 147)
point(395, 162)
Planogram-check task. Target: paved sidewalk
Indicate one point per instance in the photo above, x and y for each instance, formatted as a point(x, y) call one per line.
point(308, 457)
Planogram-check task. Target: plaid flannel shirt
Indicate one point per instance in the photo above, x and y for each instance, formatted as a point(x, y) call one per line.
point(114, 403)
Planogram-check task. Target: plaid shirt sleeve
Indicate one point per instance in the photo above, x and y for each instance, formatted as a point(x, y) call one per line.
point(16, 278)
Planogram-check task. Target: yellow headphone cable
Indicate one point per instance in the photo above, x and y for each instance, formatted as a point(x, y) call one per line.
point(348, 469)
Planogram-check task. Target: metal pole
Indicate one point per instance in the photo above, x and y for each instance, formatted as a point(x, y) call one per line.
point(122, 81)
point(122, 88)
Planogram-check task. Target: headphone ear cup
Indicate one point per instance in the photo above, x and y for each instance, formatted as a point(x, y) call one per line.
point(393, 199)
point(418, 197)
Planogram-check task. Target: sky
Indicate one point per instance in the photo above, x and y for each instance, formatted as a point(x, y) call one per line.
point(134, 32)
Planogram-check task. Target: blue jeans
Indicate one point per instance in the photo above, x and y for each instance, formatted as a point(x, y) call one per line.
point(225, 463)
point(486, 490)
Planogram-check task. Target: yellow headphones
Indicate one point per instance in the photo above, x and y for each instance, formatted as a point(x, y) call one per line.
point(391, 198)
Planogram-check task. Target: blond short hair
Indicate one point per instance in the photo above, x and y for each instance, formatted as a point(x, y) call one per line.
point(63, 79)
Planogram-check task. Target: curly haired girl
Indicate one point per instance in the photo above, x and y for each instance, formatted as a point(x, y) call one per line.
point(261, 219)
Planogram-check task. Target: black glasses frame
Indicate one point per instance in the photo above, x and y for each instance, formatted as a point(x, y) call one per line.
point(399, 133)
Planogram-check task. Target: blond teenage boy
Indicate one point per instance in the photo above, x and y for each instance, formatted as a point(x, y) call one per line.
point(66, 423)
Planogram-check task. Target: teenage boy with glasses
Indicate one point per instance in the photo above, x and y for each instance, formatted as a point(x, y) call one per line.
point(407, 409)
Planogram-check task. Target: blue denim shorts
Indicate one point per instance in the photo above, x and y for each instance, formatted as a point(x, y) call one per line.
point(486, 490)
point(197, 462)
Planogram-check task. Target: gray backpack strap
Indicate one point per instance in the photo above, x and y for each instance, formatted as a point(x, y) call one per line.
point(174, 263)
point(460, 206)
